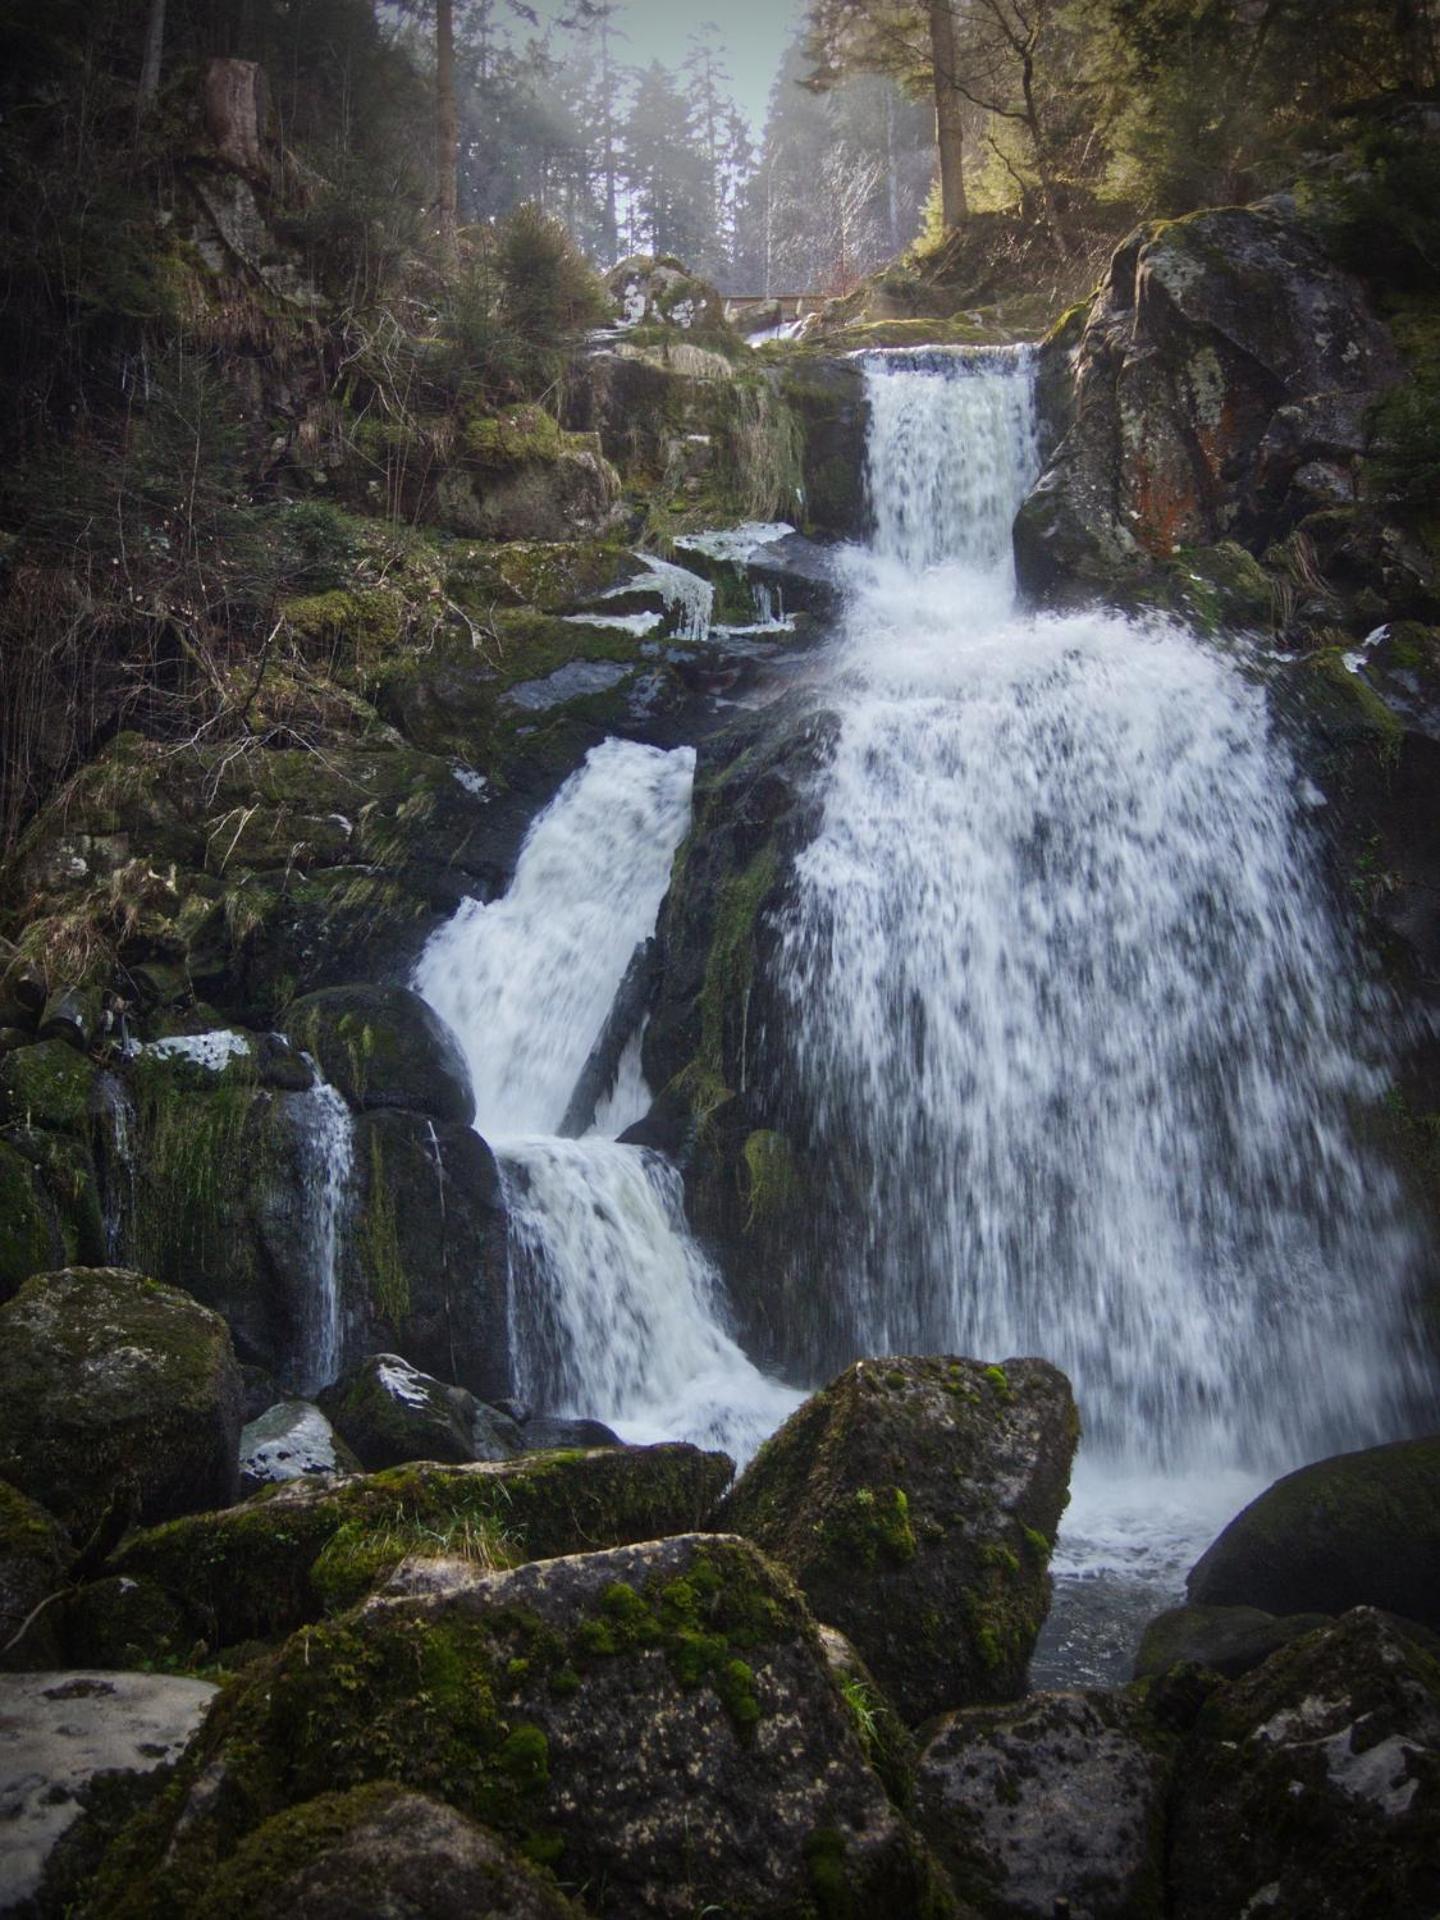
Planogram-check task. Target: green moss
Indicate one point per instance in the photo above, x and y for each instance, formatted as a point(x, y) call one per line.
point(514, 437)
point(1000, 1381)
point(27, 1243)
point(869, 1528)
point(730, 965)
point(382, 1258)
point(772, 1185)
point(46, 1085)
point(1354, 699)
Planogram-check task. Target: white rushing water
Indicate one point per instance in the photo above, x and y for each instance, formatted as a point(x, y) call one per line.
point(325, 1136)
point(1073, 1020)
point(616, 1313)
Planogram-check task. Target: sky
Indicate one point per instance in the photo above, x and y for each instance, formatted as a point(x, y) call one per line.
point(754, 33)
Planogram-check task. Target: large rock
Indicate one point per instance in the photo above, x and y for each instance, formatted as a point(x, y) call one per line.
point(291, 1441)
point(385, 1047)
point(1361, 1529)
point(116, 1392)
point(291, 1553)
point(1052, 1806)
point(34, 1558)
point(1225, 1640)
point(916, 1501)
point(1311, 1788)
point(1224, 360)
point(655, 1722)
point(388, 1413)
point(61, 1736)
point(411, 1854)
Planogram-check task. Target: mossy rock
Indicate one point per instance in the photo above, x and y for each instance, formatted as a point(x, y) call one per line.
point(881, 1496)
point(29, 1237)
point(409, 1852)
point(291, 1553)
point(1313, 1781)
point(1361, 1529)
point(390, 1413)
point(1055, 1803)
point(47, 1085)
point(655, 1722)
point(35, 1554)
point(1224, 1640)
point(888, 1743)
point(122, 1622)
point(384, 1047)
point(117, 1395)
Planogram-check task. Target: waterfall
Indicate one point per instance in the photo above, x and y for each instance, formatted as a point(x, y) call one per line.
point(325, 1137)
point(616, 1312)
point(1070, 1016)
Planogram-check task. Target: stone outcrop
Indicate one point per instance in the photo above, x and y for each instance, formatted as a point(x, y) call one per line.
point(916, 1502)
point(1221, 386)
point(1224, 1640)
point(288, 1555)
point(656, 1722)
point(1056, 1805)
point(1361, 1529)
point(1310, 1787)
point(119, 1397)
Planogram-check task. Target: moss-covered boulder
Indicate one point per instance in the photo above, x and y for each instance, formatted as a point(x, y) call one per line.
point(1225, 1640)
point(888, 1743)
point(385, 1047)
point(116, 1393)
point(29, 1239)
point(655, 1722)
point(1055, 1805)
point(1361, 1529)
point(47, 1085)
point(34, 1556)
point(410, 1853)
point(81, 1751)
point(1312, 1786)
point(119, 1622)
point(826, 394)
point(916, 1501)
point(388, 1413)
point(290, 1441)
point(289, 1554)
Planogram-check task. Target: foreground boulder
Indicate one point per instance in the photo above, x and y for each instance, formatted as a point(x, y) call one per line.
point(116, 1392)
point(1058, 1799)
point(1225, 1640)
point(1312, 1786)
point(1361, 1529)
point(61, 1735)
point(656, 1723)
point(916, 1502)
point(411, 1854)
point(389, 1413)
point(293, 1552)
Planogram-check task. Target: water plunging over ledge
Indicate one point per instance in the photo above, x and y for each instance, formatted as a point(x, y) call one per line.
point(1066, 985)
point(616, 1313)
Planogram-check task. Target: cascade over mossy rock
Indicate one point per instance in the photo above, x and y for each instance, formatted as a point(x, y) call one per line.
point(116, 1393)
point(1310, 1789)
point(81, 1751)
point(1054, 1805)
point(655, 1722)
point(293, 1552)
point(1224, 362)
point(34, 1556)
point(388, 1413)
point(385, 1047)
point(916, 1502)
point(1360, 1529)
point(1224, 1640)
point(409, 1853)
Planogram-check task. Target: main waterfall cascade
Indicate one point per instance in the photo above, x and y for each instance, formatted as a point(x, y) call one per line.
point(1065, 983)
point(615, 1311)
point(1068, 1011)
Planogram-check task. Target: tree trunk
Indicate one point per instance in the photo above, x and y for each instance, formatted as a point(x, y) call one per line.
point(949, 127)
point(447, 131)
point(150, 64)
